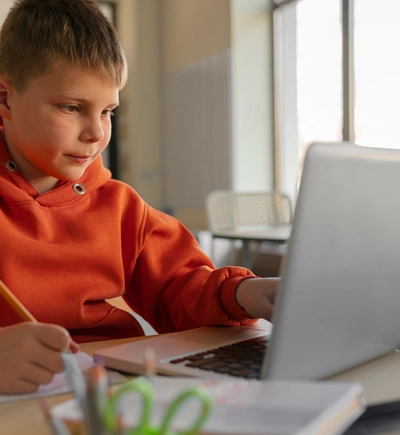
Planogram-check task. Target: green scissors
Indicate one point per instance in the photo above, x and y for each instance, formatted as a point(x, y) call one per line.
point(144, 388)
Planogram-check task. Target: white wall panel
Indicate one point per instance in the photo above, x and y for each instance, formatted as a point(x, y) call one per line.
point(196, 120)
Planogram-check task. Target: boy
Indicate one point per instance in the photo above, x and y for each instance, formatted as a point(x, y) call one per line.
point(71, 236)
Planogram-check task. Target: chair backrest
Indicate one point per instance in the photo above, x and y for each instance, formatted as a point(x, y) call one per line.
point(226, 209)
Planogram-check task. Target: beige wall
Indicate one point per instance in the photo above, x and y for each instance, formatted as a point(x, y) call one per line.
point(139, 138)
point(193, 30)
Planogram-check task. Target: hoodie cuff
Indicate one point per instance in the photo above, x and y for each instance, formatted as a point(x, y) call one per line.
point(228, 299)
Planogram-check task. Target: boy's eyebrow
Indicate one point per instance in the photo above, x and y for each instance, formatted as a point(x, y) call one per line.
point(79, 97)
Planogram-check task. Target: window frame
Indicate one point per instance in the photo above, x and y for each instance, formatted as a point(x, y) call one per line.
point(348, 94)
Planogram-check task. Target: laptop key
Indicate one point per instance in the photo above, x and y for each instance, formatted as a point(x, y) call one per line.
point(239, 372)
point(177, 360)
point(212, 366)
point(200, 362)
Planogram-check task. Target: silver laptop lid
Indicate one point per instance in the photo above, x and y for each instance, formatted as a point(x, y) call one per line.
point(339, 303)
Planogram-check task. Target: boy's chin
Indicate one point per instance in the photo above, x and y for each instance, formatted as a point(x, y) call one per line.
point(73, 177)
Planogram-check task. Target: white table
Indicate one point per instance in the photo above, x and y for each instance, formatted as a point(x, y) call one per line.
point(276, 234)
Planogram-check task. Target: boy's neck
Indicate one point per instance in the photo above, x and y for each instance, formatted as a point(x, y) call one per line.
point(44, 185)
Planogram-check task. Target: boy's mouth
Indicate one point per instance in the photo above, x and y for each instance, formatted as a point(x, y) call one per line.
point(79, 159)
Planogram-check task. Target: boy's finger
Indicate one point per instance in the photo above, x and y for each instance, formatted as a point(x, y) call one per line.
point(20, 386)
point(74, 347)
point(53, 336)
point(47, 359)
point(38, 375)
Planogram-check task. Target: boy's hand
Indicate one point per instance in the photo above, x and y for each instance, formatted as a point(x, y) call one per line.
point(30, 355)
point(257, 296)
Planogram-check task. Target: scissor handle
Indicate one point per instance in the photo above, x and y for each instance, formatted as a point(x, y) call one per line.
point(139, 385)
point(199, 393)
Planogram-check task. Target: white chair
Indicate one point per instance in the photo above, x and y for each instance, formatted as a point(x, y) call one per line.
point(250, 217)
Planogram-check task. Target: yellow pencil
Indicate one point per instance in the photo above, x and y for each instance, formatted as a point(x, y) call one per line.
point(15, 304)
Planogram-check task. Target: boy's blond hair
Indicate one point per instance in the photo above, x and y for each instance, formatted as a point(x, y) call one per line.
point(39, 34)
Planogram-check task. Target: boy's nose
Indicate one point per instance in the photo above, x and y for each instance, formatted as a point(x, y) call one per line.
point(92, 132)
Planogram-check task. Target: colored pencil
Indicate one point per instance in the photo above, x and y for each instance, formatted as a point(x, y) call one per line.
point(58, 426)
point(149, 363)
point(97, 398)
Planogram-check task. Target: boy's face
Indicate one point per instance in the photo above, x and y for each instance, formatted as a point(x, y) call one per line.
point(60, 124)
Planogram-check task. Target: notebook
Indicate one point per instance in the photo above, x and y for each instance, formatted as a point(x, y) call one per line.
point(339, 300)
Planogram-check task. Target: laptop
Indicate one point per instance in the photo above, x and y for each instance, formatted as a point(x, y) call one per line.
point(339, 300)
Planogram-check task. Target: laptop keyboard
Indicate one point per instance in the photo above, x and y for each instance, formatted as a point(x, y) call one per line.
point(243, 359)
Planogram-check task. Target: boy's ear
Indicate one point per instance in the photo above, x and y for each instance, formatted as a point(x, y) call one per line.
point(5, 89)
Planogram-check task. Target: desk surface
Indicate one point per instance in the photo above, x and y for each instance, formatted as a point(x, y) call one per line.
point(380, 378)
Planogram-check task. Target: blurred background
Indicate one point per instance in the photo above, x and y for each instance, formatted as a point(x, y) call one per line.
point(228, 94)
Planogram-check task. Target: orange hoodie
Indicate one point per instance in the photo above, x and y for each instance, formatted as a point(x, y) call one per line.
point(62, 253)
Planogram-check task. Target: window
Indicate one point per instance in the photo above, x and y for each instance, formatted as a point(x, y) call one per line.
point(308, 82)
point(336, 77)
point(377, 73)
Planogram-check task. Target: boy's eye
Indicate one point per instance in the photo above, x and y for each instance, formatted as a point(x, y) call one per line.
point(70, 108)
point(108, 112)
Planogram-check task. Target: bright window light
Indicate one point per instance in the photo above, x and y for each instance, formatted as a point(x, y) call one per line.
point(377, 73)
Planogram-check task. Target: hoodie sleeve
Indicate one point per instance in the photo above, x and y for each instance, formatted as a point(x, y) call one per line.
point(175, 286)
